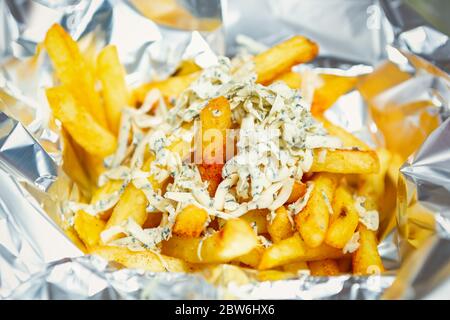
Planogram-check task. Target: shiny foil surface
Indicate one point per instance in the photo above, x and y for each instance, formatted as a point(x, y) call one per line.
point(372, 39)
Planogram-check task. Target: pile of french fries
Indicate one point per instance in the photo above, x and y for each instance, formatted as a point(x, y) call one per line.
point(327, 237)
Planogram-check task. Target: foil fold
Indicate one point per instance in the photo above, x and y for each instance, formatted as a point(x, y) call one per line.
point(37, 261)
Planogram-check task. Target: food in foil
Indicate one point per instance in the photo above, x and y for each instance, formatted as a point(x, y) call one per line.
point(264, 168)
point(235, 163)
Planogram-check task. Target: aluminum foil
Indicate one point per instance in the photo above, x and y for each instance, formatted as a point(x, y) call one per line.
point(367, 38)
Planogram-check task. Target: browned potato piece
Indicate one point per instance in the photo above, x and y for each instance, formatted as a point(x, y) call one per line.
point(235, 239)
point(280, 227)
point(348, 139)
point(145, 260)
point(294, 249)
point(292, 79)
point(366, 259)
point(79, 123)
point(114, 90)
point(190, 222)
point(73, 72)
point(344, 220)
point(88, 228)
point(298, 190)
point(253, 258)
point(345, 161)
point(323, 268)
point(296, 267)
point(280, 58)
point(312, 221)
point(257, 217)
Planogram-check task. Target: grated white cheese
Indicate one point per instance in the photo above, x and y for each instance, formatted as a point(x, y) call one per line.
point(368, 218)
point(352, 245)
point(327, 203)
point(300, 204)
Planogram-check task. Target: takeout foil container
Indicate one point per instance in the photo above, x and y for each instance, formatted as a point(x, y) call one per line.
point(401, 61)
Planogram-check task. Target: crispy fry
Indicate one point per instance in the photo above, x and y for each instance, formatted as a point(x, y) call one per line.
point(348, 139)
point(171, 87)
point(280, 58)
point(274, 275)
point(366, 259)
point(115, 94)
point(73, 72)
point(190, 222)
point(253, 258)
point(344, 220)
point(215, 120)
point(88, 228)
point(79, 123)
point(345, 161)
point(72, 165)
point(257, 218)
point(145, 260)
point(298, 190)
point(294, 249)
point(186, 67)
point(323, 268)
point(292, 79)
point(280, 227)
point(235, 239)
point(268, 65)
point(372, 185)
point(296, 267)
point(312, 221)
point(333, 87)
point(132, 204)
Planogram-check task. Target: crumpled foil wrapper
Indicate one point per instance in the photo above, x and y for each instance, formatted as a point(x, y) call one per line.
point(401, 60)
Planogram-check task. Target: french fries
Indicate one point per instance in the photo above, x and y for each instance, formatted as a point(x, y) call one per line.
point(281, 226)
point(301, 215)
point(79, 123)
point(114, 90)
point(235, 239)
point(312, 221)
point(73, 72)
point(344, 219)
point(280, 58)
point(326, 267)
point(294, 249)
point(345, 161)
point(145, 260)
point(268, 65)
point(190, 222)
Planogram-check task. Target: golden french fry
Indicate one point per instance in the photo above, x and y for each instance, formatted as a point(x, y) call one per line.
point(372, 185)
point(298, 190)
point(253, 258)
point(268, 65)
point(348, 139)
point(294, 249)
point(145, 260)
point(333, 87)
point(72, 165)
point(312, 221)
point(274, 275)
point(280, 58)
point(190, 222)
point(75, 238)
point(292, 79)
point(296, 267)
point(112, 76)
point(344, 220)
point(215, 119)
point(235, 239)
point(73, 71)
point(79, 123)
point(323, 268)
point(257, 218)
point(186, 67)
point(171, 87)
point(280, 227)
point(345, 161)
point(88, 228)
point(366, 259)
point(132, 204)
